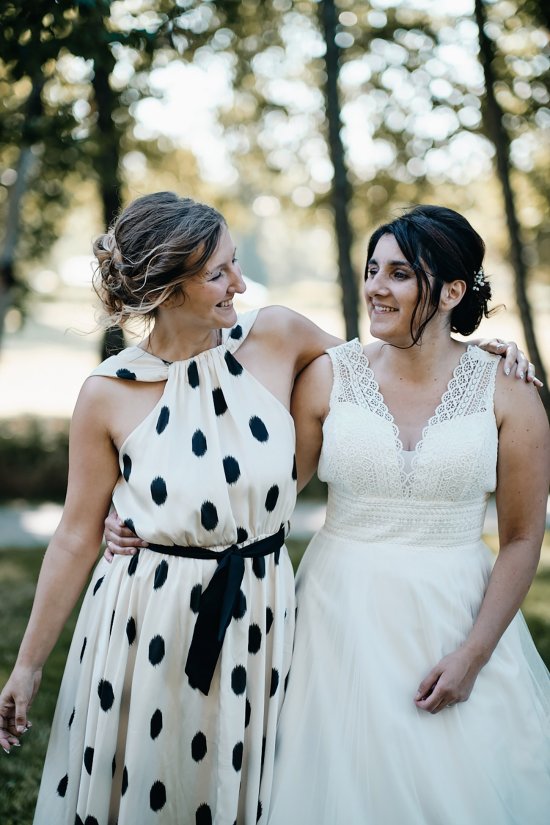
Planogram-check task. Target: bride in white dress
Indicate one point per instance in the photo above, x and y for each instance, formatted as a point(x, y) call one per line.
point(416, 695)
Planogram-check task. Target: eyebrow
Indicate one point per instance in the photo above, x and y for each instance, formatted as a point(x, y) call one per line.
point(217, 266)
point(391, 263)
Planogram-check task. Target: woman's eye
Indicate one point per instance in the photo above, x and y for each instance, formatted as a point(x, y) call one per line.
point(400, 275)
point(371, 273)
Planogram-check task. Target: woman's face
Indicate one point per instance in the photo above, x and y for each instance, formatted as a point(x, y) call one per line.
point(209, 295)
point(391, 293)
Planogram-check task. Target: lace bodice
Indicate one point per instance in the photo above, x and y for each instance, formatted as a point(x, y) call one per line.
point(440, 497)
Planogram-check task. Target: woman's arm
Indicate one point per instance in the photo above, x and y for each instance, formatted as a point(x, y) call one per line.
point(523, 473)
point(309, 408)
point(93, 471)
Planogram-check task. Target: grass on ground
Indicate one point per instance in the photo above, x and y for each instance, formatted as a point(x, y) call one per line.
point(20, 772)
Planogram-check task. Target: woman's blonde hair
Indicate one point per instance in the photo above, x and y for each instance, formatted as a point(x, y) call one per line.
point(153, 248)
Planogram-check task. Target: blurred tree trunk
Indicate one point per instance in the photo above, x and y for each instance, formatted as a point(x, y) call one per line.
point(341, 190)
point(25, 163)
point(492, 115)
point(107, 166)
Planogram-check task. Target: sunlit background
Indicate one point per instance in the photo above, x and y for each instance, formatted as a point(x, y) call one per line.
point(226, 102)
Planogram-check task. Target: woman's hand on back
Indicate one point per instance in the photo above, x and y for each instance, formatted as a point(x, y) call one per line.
point(119, 539)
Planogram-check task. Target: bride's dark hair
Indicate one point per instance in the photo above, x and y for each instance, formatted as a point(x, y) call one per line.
point(442, 243)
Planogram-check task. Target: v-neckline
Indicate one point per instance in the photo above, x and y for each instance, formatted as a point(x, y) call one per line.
point(387, 415)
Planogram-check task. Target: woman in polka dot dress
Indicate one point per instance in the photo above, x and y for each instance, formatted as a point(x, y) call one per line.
point(177, 670)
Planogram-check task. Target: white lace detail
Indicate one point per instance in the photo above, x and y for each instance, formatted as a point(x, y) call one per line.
point(454, 461)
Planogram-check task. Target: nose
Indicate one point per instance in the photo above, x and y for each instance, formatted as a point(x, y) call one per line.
point(237, 283)
point(376, 284)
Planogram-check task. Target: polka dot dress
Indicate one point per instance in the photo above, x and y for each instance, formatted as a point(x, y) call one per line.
point(132, 741)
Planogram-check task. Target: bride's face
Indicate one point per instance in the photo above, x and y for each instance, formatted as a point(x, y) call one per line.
point(391, 293)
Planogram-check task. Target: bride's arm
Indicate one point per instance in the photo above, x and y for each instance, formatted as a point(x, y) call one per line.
point(309, 407)
point(523, 473)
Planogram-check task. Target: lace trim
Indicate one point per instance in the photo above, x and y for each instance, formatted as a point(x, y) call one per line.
point(469, 391)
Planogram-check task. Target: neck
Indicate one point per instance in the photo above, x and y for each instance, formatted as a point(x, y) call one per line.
point(436, 351)
point(170, 341)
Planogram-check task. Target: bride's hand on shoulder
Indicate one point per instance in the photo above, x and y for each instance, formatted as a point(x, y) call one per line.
point(515, 360)
point(119, 539)
point(449, 682)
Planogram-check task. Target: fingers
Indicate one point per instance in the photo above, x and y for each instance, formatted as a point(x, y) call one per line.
point(511, 357)
point(113, 549)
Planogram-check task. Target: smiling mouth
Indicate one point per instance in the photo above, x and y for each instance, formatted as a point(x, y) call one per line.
point(225, 304)
point(378, 308)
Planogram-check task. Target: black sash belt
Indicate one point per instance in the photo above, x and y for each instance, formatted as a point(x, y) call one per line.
point(217, 601)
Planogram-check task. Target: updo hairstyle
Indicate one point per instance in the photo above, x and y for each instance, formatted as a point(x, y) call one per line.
point(155, 246)
point(441, 242)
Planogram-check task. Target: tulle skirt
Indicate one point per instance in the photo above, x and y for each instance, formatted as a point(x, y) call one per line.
point(353, 748)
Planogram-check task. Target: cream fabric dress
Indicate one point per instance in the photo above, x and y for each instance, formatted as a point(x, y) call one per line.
point(132, 743)
point(391, 584)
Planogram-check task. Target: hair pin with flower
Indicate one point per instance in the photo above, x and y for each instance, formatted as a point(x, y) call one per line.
point(479, 279)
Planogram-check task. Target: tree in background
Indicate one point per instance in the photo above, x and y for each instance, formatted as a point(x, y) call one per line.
point(494, 117)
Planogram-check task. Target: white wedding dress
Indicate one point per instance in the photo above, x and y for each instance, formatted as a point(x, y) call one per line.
point(391, 584)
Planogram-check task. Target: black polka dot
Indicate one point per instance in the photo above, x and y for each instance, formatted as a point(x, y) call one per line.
point(62, 785)
point(232, 364)
point(268, 619)
point(259, 811)
point(195, 600)
point(78, 820)
point(112, 621)
point(198, 443)
point(236, 333)
point(98, 584)
point(258, 429)
point(113, 766)
point(254, 638)
point(156, 650)
point(126, 374)
point(198, 746)
point(231, 469)
point(158, 490)
point(161, 574)
point(71, 720)
point(131, 630)
point(274, 681)
point(91, 820)
point(271, 498)
point(193, 374)
point(258, 566)
point(156, 724)
point(133, 564)
point(163, 419)
point(242, 535)
point(124, 781)
point(209, 516)
point(248, 711)
point(239, 608)
point(83, 648)
point(129, 524)
point(203, 815)
point(106, 695)
point(238, 756)
point(294, 470)
point(126, 466)
point(238, 680)
point(89, 759)
point(157, 796)
point(220, 404)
